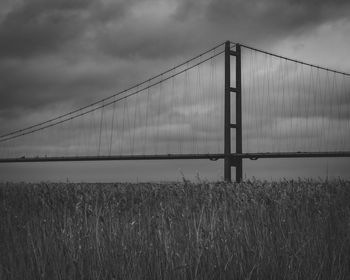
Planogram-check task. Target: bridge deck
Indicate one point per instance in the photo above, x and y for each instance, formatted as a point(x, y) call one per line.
point(252, 156)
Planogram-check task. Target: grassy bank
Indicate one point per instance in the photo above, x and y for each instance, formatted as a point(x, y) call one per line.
point(254, 230)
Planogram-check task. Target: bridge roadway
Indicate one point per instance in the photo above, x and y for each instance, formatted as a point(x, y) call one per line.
point(252, 156)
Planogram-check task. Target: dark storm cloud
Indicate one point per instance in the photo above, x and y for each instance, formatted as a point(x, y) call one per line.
point(40, 26)
point(276, 16)
point(37, 27)
point(45, 45)
point(255, 21)
point(191, 24)
point(146, 42)
point(27, 87)
point(44, 50)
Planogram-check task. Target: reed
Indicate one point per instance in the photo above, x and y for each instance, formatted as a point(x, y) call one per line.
point(253, 230)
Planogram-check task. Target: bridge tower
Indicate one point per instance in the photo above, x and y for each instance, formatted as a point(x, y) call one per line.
point(229, 159)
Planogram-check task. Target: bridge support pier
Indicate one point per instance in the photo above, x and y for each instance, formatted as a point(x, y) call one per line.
point(229, 161)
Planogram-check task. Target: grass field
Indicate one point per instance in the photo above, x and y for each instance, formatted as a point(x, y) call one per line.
point(253, 230)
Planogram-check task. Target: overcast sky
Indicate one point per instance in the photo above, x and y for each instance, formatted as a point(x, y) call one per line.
point(57, 55)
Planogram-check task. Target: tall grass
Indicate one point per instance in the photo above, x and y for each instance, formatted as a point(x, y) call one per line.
point(253, 230)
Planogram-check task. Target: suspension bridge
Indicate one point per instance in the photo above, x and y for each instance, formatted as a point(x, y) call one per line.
point(232, 102)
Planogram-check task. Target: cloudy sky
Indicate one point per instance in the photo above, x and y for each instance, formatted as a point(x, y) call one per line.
point(57, 55)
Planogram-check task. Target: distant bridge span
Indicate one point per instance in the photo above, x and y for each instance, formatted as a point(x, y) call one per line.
point(214, 157)
point(281, 108)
